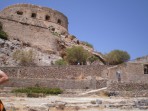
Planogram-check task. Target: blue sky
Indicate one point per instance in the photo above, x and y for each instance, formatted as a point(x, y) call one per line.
point(106, 24)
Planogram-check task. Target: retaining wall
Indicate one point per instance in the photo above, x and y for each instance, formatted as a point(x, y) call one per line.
point(65, 77)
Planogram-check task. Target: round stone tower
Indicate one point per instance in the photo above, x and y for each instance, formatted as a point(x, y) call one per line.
point(38, 26)
point(36, 15)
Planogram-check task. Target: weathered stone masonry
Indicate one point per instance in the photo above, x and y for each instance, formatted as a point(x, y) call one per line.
point(35, 15)
point(34, 25)
point(66, 77)
point(134, 82)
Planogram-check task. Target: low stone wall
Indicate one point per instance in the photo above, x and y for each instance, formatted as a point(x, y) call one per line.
point(127, 89)
point(65, 77)
point(52, 83)
point(140, 93)
point(55, 72)
point(126, 86)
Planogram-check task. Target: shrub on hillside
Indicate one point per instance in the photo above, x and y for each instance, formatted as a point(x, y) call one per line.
point(72, 37)
point(60, 62)
point(76, 55)
point(3, 35)
point(117, 57)
point(25, 58)
point(87, 44)
point(92, 58)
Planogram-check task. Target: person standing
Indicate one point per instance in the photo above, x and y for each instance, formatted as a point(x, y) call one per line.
point(3, 79)
point(118, 75)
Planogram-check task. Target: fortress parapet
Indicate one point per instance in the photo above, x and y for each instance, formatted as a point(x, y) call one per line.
point(36, 15)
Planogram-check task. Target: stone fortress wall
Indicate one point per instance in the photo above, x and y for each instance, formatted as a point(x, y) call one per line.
point(34, 25)
point(36, 15)
point(65, 77)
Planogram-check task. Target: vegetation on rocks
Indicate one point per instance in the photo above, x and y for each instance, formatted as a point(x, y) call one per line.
point(93, 58)
point(61, 62)
point(87, 44)
point(76, 55)
point(3, 34)
point(117, 57)
point(72, 37)
point(25, 58)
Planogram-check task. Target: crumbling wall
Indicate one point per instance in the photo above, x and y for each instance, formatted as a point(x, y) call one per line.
point(130, 72)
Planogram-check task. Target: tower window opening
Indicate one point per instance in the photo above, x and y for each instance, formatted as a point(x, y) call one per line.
point(33, 15)
point(59, 21)
point(47, 17)
point(19, 12)
point(53, 29)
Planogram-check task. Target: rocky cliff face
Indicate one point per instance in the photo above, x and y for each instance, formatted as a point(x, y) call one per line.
point(9, 47)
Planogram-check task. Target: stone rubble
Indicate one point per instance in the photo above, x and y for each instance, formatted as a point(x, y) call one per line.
point(91, 103)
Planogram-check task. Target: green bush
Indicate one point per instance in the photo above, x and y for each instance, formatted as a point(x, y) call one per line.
point(60, 62)
point(25, 58)
point(72, 37)
point(117, 57)
point(31, 90)
point(92, 58)
point(3, 35)
point(87, 44)
point(76, 55)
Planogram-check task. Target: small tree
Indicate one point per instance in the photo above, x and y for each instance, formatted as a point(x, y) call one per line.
point(25, 58)
point(117, 57)
point(76, 55)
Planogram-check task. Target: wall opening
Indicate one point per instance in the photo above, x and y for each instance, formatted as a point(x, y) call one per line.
point(59, 21)
point(33, 15)
point(146, 69)
point(53, 29)
point(19, 12)
point(47, 17)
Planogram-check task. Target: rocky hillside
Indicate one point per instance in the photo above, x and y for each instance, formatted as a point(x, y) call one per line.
point(9, 48)
point(40, 39)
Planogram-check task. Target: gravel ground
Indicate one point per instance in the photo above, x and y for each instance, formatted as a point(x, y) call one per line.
point(57, 103)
